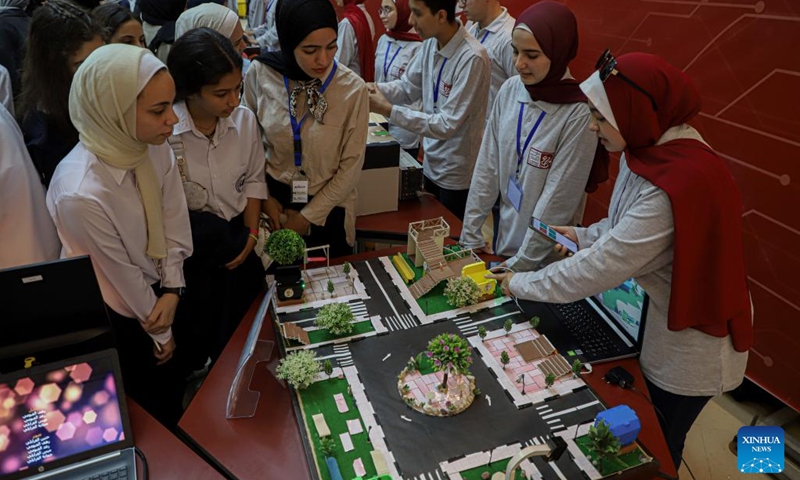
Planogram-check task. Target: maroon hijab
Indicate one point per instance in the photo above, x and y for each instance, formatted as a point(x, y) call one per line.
point(366, 47)
point(556, 30)
point(709, 286)
point(401, 30)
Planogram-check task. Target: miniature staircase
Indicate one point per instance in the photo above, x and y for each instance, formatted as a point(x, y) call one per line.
point(422, 286)
point(438, 269)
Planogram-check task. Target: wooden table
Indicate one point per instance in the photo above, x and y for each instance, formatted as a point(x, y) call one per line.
point(392, 227)
point(167, 456)
point(269, 445)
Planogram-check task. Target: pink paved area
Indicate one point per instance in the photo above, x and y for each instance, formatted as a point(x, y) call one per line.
point(534, 378)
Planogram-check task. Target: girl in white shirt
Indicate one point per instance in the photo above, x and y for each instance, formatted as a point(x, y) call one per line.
point(314, 116)
point(117, 197)
point(224, 159)
point(395, 50)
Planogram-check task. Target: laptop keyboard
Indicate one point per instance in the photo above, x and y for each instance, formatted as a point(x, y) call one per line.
point(584, 327)
point(118, 474)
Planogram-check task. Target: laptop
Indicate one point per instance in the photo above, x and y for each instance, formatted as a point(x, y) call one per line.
point(608, 326)
point(66, 420)
point(51, 310)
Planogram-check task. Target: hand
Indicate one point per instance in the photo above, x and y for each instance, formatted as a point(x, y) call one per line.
point(251, 244)
point(163, 314)
point(568, 232)
point(297, 222)
point(378, 103)
point(248, 38)
point(273, 209)
point(165, 354)
point(487, 249)
point(504, 279)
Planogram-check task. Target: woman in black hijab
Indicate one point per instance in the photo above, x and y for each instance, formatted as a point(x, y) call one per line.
point(158, 22)
point(14, 27)
point(314, 116)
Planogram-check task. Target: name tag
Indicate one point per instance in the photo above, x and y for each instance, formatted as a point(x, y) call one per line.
point(514, 192)
point(537, 159)
point(300, 191)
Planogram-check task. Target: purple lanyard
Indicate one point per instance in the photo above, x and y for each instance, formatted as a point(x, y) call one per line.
point(386, 66)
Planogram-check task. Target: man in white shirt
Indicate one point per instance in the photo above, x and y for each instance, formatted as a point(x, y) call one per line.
point(451, 76)
point(492, 25)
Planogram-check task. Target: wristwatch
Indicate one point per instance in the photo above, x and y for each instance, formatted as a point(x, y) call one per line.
point(179, 291)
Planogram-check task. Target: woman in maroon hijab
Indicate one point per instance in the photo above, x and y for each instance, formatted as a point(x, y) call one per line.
point(675, 225)
point(356, 34)
point(537, 151)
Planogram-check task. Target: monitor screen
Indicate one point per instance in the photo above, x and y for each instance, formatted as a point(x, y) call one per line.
point(57, 411)
point(625, 305)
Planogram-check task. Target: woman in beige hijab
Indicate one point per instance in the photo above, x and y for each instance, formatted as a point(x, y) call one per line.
point(118, 197)
point(217, 18)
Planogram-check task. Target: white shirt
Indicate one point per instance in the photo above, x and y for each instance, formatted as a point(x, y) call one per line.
point(553, 172)
point(230, 165)
point(452, 125)
point(6, 94)
point(262, 20)
point(27, 233)
point(496, 38)
point(347, 54)
point(391, 61)
point(98, 211)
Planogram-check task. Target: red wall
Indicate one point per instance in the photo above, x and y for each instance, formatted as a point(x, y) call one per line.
point(743, 56)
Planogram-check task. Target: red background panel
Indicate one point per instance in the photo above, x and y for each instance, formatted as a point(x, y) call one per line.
point(743, 56)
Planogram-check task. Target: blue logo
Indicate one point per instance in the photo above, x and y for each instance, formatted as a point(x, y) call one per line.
point(760, 449)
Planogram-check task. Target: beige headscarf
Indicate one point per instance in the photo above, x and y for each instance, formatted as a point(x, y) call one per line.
point(102, 106)
point(216, 17)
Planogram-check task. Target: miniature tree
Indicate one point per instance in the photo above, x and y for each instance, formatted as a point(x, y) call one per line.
point(327, 367)
point(327, 445)
point(504, 359)
point(285, 246)
point(299, 368)
point(337, 318)
point(549, 380)
point(331, 288)
point(346, 269)
point(577, 365)
point(535, 322)
point(450, 354)
point(482, 332)
point(508, 326)
point(603, 443)
point(462, 292)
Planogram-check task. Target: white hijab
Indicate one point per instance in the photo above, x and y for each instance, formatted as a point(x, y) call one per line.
point(594, 90)
point(216, 17)
point(102, 106)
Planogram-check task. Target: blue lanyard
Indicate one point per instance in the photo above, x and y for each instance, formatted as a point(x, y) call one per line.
point(530, 135)
point(386, 66)
point(438, 81)
point(484, 36)
point(266, 13)
point(296, 126)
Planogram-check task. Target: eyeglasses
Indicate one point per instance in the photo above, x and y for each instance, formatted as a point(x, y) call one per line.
point(385, 11)
point(607, 66)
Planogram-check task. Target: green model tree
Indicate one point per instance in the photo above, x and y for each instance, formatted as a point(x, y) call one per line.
point(482, 332)
point(328, 446)
point(508, 325)
point(331, 288)
point(535, 322)
point(603, 443)
point(285, 246)
point(549, 380)
point(299, 368)
point(346, 268)
point(337, 318)
point(577, 365)
point(327, 367)
point(450, 354)
point(504, 359)
point(462, 292)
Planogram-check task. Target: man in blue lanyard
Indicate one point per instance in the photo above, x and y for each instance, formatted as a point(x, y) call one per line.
point(451, 76)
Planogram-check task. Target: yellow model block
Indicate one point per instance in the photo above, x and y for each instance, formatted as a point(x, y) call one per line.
point(403, 268)
point(477, 272)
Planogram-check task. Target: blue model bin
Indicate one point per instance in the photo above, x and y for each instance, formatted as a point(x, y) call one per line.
point(623, 423)
point(333, 468)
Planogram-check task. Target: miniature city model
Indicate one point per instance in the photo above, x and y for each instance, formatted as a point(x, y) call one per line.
point(372, 399)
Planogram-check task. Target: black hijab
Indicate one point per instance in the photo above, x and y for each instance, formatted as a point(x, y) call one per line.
point(164, 13)
point(294, 21)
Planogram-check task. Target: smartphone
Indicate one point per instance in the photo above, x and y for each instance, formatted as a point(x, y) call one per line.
point(555, 237)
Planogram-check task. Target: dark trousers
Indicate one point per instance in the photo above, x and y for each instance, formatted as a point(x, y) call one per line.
point(453, 200)
point(676, 414)
point(332, 233)
point(158, 388)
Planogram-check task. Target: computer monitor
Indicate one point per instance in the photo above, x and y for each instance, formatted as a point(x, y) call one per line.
point(626, 305)
point(51, 311)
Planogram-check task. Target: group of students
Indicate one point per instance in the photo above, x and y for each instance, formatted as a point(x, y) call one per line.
point(160, 171)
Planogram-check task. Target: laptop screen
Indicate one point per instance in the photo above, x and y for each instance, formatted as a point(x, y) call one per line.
point(60, 411)
point(625, 305)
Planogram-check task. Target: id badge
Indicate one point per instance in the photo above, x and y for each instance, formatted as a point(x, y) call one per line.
point(514, 192)
point(300, 190)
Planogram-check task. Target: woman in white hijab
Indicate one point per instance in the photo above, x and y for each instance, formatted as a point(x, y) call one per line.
point(117, 197)
point(213, 16)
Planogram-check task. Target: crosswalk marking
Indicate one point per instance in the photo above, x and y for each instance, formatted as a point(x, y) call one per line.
point(437, 474)
point(403, 322)
point(343, 355)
